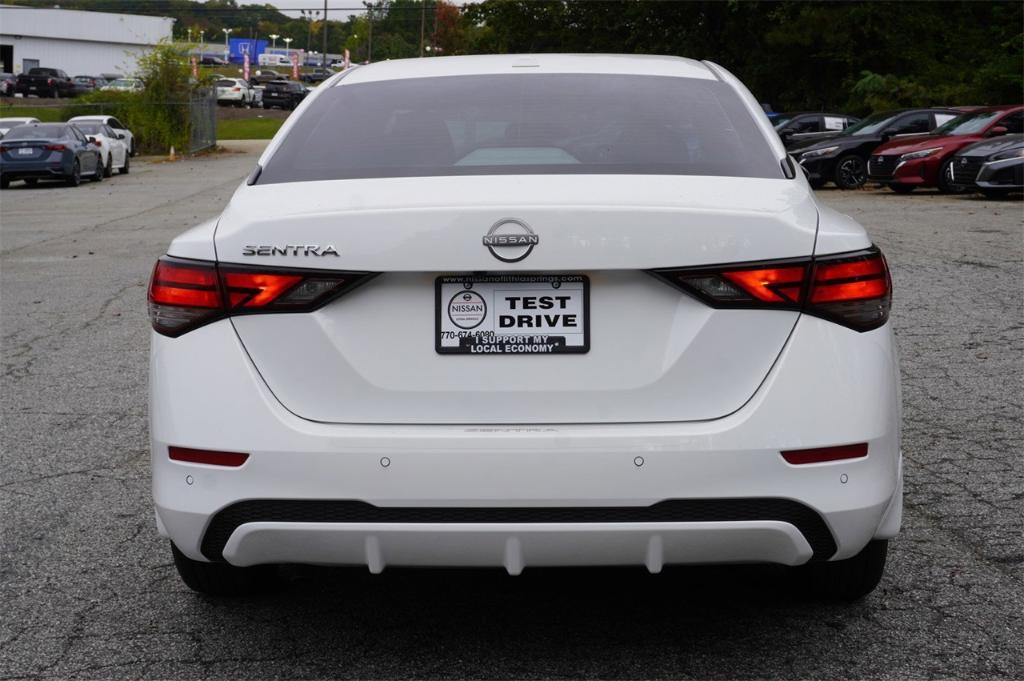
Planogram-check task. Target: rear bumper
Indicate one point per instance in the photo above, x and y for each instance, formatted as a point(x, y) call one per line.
point(41, 169)
point(515, 496)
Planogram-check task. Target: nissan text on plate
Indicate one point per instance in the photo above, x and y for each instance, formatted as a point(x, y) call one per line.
point(522, 311)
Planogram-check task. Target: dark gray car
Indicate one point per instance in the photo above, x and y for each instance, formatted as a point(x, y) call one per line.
point(41, 151)
point(994, 167)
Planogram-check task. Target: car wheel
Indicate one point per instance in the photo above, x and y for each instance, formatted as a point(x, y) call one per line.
point(222, 579)
point(4, 183)
point(100, 172)
point(131, 152)
point(75, 178)
point(946, 185)
point(995, 193)
point(108, 169)
point(127, 162)
point(902, 188)
point(850, 172)
point(816, 183)
point(845, 580)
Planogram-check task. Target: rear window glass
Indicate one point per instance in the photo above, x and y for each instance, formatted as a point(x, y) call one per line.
point(524, 124)
point(36, 132)
point(225, 83)
point(91, 128)
point(277, 87)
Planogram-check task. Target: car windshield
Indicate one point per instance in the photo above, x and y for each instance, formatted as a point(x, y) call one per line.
point(968, 123)
point(91, 128)
point(782, 120)
point(871, 125)
point(524, 124)
point(36, 132)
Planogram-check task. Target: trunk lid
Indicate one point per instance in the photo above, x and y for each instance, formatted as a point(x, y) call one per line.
point(655, 354)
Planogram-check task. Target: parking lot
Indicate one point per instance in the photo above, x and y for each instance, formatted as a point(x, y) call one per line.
point(89, 590)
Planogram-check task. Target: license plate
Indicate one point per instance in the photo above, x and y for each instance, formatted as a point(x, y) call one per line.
point(31, 87)
point(25, 151)
point(512, 314)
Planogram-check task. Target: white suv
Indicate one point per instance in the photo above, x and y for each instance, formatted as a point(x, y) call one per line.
point(544, 310)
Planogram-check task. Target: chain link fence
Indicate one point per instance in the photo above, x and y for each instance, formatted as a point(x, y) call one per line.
point(203, 120)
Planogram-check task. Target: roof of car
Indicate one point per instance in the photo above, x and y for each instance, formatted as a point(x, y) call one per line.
point(642, 65)
point(90, 118)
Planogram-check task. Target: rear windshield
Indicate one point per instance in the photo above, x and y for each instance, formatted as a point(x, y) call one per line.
point(277, 87)
point(524, 124)
point(91, 128)
point(226, 83)
point(36, 132)
point(42, 72)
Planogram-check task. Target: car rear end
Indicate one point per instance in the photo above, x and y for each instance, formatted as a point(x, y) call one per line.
point(231, 91)
point(522, 320)
point(35, 152)
point(276, 93)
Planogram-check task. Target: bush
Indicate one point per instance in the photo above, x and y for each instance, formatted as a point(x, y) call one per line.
point(160, 115)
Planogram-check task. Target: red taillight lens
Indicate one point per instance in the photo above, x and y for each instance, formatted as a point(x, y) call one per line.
point(185, 294)
point(55, 147)
point(852, 289)
point(211, 458)
point(823, 454)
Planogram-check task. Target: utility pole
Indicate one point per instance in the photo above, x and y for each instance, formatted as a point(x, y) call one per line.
point(423, 23)
point(324, 58)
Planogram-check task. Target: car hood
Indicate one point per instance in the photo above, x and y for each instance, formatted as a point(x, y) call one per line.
point(830, 141)
point(907, 145)
point(993, 146)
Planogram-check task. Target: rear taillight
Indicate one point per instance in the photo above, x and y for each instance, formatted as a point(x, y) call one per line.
point(826, 454)
point(55, 147)
point(186, 294)
point(852, 289)
point(206, 456)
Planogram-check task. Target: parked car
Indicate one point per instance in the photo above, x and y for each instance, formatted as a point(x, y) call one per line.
point(13, 122)
point(7, 84)
point(86, 84)
point(994, 167)
point(704, 373)
point(209, 60)
point(125, 85)
point(234, 91)
point(285, 94)
point(843, 159)
point(117, 126)
point(317, 75)
point(113, 146)
point(44, 82)
point(44, 151)
point(264, 76)
point(905, 164)
point(796, 127)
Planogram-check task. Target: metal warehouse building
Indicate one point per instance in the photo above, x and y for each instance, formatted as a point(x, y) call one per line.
point(87, 43)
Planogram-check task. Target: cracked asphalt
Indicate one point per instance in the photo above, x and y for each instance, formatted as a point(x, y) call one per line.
point(88, 589)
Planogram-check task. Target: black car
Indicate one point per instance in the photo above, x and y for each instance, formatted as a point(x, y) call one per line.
point(283, 93)
point(48, 151)
point(994, 167)
point(843, 158)
point(264, 76)
point(794, 128)
point(44, 82)
point(317, 75)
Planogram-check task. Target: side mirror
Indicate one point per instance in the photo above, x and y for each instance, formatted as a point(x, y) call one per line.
point(998, 130)
point(120, 136)
point(93, 140)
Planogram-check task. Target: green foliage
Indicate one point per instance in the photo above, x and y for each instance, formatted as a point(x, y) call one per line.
point(160, 115)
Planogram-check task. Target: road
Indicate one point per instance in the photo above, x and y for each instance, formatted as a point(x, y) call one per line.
point(88, 589)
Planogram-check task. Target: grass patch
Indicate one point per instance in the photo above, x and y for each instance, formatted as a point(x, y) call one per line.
point(248, 128)
point(47, 114)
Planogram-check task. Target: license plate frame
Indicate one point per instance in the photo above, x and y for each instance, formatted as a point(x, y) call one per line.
point(479, 337)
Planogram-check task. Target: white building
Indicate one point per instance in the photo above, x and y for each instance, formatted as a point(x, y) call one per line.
point(80, 43)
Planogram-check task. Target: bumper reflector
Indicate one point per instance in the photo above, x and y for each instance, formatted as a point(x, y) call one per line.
point(823, 454)
point(233, 459)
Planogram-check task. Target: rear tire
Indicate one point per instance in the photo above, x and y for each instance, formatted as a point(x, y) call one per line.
point(846, 580)
point(75, 178)
point(100, 172)
point(127, 163)
point(4, 183)
point(902, 188)
point(817, 183)
point(108, 169)
point(222, 579)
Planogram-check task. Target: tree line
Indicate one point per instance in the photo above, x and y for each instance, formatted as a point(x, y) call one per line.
point(852, 56)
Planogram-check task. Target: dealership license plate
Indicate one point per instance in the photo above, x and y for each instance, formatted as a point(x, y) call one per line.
point(26, 151)
point(513, 314)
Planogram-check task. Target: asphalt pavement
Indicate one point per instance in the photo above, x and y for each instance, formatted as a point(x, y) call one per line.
point(88, 589)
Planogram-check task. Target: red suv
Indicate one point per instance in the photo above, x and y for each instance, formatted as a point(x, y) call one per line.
point(906, 163)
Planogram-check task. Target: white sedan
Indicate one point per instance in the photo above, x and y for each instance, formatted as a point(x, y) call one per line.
point(113, 150)
point(7, 123)
point(549, 310)
point(235, 91)
point(122, 132)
